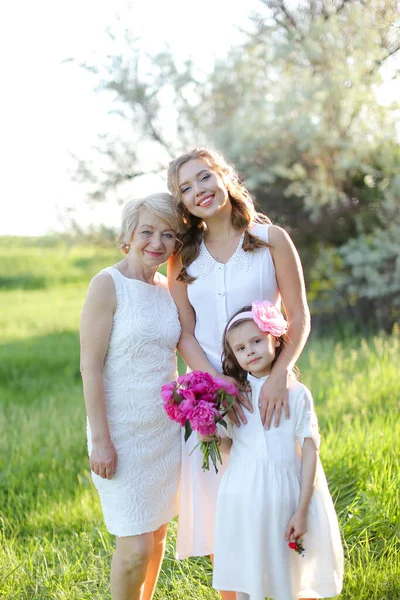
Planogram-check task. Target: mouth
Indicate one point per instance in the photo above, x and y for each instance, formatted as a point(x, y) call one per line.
point(155, 254)
point(253, 360)
point(206, 201)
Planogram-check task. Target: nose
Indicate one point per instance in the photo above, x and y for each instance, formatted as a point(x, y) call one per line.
point(199, 188)
point(250, 351)
point(156, 242)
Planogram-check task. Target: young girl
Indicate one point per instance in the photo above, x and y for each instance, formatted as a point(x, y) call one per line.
point(274, 490)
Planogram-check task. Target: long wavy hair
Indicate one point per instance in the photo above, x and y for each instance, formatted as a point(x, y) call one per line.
point(230, 365)
point(244, 214)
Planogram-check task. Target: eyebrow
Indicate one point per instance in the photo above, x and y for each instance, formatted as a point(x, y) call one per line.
point(250, 340)
point(152, 227)
point(197, 174)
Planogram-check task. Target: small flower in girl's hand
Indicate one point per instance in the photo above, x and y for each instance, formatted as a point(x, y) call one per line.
point(297, 546)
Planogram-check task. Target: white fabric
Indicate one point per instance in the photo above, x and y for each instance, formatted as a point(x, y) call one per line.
point(217, 293)
point(258, 494)
point(143, 493)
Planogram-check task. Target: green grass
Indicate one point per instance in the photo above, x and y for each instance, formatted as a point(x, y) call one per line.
point(53, 543)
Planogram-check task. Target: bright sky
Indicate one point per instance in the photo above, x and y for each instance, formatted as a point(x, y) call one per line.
point(49, 109)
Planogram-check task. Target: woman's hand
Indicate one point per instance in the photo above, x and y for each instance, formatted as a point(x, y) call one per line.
point(103, 459)
point(209, 438)
point(274, 394)
point(297, 525)
point(236, 413)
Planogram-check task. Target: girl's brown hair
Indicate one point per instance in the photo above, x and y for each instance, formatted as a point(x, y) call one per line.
point(244, 214)
point(230, 365)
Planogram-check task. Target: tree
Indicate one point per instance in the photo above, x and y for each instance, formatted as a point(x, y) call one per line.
point(295, 108)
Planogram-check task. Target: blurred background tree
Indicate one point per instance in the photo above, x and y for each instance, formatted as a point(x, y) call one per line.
point(295, 108)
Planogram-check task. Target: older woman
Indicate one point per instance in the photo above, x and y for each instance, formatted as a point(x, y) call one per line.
point(129, 332)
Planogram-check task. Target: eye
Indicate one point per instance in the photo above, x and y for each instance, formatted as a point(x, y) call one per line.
point(169, 236)
point(146, 232)
point(206, 176)
point(185, 189)
point(239, 349)
point(257, 340)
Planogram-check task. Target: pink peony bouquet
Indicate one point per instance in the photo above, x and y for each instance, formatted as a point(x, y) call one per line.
point(198, 402)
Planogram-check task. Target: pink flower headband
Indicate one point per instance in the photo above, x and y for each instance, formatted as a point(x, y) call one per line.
point(266, 316)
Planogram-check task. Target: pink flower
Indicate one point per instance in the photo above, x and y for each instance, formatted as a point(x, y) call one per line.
point(195, 378)
point(167, 391)
point(228, 388)
point(174, 412)
point(203, 417)
point(188, 403)
point(268, 318)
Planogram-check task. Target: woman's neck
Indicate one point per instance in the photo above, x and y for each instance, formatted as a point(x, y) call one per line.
point(132, 269)
point(220, 229)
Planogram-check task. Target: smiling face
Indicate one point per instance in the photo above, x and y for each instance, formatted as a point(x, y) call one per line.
point(253, 349)
point(153, 240)
point(203, 190)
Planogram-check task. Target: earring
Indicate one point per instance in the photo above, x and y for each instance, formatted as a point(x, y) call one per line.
point(126, 248)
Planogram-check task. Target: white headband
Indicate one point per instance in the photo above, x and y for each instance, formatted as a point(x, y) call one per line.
point(247, 314)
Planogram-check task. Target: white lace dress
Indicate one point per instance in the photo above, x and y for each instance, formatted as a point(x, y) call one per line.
point(258, 495)
point(143, 493)
point(218, 292)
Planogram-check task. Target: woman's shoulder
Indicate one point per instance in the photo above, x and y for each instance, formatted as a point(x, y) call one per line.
point(103, 281)
point(101, 293)
point(260, 230)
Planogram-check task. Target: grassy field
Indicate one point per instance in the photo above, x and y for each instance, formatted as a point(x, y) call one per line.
point(53, 544)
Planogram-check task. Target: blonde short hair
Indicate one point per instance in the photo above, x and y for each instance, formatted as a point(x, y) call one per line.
point(161, 204)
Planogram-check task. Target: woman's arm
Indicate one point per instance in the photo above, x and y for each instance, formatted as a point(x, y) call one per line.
point(297, 525)
point(290, 280)
point(188, 347)
point(95, 330)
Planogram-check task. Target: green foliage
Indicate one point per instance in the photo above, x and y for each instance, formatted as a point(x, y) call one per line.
point(53, 543)
point(296, 108)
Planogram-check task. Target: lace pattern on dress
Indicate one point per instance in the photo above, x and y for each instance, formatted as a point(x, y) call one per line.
point(204, 263)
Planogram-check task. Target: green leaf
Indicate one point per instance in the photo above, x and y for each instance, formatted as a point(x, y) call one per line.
point(188, 431)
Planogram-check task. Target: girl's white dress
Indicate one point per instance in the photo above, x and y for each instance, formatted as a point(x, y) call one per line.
point(217, 293)
point(258, 495)
point(143, 493)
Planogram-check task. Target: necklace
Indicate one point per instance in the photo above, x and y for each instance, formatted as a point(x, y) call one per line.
point(222, 251)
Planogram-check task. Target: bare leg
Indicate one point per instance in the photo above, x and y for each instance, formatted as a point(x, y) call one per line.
point(154, 566)
point(224, 595)
point(129, 566)
point(228, 595)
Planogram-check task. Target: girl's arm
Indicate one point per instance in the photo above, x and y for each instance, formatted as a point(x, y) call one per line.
point(95, 330)
point(290, 280)
point(297, 525)
point(188, 347)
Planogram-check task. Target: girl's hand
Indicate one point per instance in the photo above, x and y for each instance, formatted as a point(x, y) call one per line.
point(297, 525)
point(236, 413)
point(103, 459)
point(274, 394)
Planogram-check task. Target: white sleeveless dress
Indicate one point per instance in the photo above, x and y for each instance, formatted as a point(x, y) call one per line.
point(218, 292)
point(143, 493)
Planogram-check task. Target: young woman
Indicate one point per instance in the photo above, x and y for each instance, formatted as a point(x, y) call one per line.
point(231, 254)
point(274, 491)
point(129, 332)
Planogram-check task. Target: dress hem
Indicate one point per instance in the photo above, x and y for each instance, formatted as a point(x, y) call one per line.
point(144, 528)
